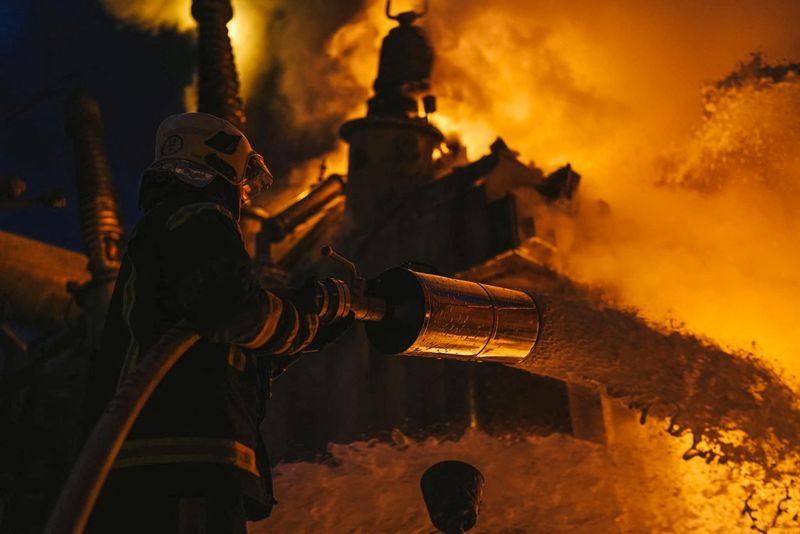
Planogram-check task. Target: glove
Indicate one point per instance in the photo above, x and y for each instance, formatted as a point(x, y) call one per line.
point(327, 333)
point(306, 300)
point(295, 332)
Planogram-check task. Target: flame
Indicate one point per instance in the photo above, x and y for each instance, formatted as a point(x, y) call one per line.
point(247, 30)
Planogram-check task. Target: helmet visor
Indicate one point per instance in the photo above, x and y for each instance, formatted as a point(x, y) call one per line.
point(256, 177)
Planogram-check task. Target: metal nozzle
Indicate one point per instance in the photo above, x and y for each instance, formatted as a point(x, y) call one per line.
point(328, 252)
point(337, 299)
point(420, 314)
point(430, 315)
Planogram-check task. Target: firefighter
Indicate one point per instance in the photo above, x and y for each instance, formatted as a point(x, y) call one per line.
point(194, 460)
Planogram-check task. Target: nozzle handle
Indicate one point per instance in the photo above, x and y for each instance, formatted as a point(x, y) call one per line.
point(328, 252)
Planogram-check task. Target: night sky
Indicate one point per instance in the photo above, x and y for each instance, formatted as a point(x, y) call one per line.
point(47, 49)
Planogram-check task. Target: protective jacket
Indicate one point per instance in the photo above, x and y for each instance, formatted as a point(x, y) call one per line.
point(186, 261)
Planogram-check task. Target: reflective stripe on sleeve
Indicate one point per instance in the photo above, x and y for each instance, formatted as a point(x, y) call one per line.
point(236, 358)
point(270, 323)
point(141, 452)
point(288, 336)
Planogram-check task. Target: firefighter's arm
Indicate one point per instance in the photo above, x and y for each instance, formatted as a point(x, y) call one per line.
point(212, 285)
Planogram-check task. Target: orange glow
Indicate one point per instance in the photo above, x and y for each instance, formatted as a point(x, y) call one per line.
point(689, 208)
point(617, 92)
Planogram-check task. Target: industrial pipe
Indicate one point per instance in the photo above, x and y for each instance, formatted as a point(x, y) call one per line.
point(33, 281)
point(98, 209)
point(218, 83)
point(286, 221)
point(97, 197)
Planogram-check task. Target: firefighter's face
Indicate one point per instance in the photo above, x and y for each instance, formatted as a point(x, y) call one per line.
point(256, 178)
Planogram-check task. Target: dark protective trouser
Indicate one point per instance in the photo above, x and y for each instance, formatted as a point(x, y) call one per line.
point(133, 504)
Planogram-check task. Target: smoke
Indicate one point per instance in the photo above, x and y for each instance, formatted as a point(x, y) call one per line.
point(153, 15)
point(708, 239)
point(302, 94)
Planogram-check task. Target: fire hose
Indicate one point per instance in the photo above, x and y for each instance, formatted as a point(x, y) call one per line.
point(405, 312)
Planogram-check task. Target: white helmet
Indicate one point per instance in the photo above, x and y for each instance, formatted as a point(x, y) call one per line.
point(215, 145)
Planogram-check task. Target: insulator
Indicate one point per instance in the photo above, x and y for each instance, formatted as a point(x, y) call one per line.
point(97, 198)
point(218, 83)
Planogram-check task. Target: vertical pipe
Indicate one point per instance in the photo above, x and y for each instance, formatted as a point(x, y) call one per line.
point(97, 197)
point(97, 207)
point(218, 83)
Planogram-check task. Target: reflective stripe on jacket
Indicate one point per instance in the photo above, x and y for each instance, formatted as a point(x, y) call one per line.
point(139, 452)
point(186, 261)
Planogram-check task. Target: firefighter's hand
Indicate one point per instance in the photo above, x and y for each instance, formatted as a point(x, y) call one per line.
point(308, 328)
point(305, 298)
point(328, 333)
